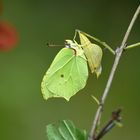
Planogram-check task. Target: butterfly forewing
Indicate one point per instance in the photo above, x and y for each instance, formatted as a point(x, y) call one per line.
point(66, 76)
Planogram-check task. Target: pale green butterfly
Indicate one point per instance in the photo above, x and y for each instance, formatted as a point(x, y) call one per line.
point(67, 74)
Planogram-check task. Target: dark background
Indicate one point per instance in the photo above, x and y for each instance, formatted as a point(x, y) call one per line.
point(24, 114)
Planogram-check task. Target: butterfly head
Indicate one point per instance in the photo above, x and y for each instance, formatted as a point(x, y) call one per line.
point(69, 44)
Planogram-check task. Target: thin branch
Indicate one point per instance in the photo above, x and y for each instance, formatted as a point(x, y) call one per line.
point(111, 76)
point(133, 46)
point(115, 118)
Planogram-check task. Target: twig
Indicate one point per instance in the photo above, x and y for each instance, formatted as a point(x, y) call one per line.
point(115, 118)
point(133, 46)
point(119, 51)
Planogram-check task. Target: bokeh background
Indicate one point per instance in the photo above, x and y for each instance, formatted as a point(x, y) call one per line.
point(24, 113)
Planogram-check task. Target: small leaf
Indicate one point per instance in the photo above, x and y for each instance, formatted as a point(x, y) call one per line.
point(119, 124)
point(65, 130)
point(95, 99)
point(93, 54)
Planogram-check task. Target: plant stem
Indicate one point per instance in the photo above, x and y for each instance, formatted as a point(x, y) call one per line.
point(111, 123)
point(133, 46)
point(119, 51)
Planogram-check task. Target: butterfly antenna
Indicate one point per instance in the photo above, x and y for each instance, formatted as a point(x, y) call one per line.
point(53, 45)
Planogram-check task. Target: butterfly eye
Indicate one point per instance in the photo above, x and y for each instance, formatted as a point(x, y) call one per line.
point(67, 44)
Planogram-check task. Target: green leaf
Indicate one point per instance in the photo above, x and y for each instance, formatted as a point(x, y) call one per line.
point(67, 74)
point(95, 99)
point(93, 54)
point(65, 130)
point(119, 124)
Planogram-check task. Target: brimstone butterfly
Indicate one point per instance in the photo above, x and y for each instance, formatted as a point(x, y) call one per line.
point(67, 74)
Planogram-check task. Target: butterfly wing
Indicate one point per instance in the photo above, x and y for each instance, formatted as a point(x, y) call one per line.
point(67, 75)
point(93, 54)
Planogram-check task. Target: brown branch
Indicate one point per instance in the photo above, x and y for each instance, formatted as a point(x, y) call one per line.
point(111, 123)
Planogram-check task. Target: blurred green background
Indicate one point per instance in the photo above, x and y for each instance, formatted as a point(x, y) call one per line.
point(24, 114)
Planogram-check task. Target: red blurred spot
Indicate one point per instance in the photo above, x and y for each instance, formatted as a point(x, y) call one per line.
point(8, 36)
